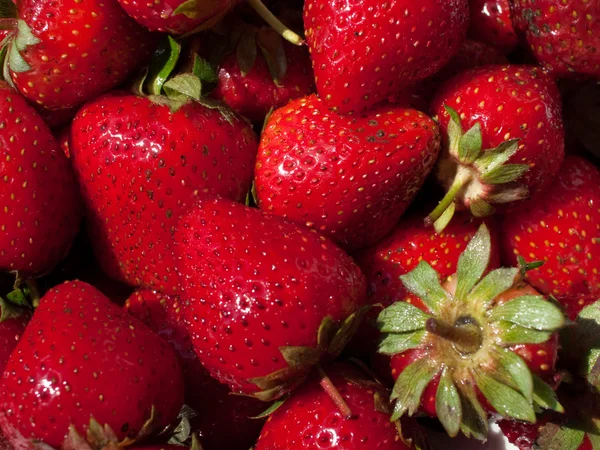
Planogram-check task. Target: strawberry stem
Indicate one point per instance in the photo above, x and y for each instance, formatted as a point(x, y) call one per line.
point(466, 337)
point(334, 394)
point(275, 23)
point(462, 177)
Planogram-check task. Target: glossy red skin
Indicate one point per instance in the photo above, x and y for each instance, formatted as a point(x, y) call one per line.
point(561, 230)
point(75, 333)
point(310, 421)
point(365, 51)
point(571, 49)
point(254, 94)
point(41, 207)
point(219, 413)
point(527, 98)
point(11, 331)
point(491, 23)
point(140, 165)
point(108, 48)
point(352, 185)
point(255, 283)
point(159, 16)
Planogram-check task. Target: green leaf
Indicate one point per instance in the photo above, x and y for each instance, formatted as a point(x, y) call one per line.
point(448, 404)
point(505, 400)
point(8, 310)
point(24, 39)
point(440, 224)
point(583, 343)
point(519, 372)
point(594, 440)
point(455, 131)
point(493, 284)
point(544, 396)
point(346, 331)
point(401, 317)
point(494, 158)
point(554, 437)
point(272, 408)
point(186, 84)
point(424, 282)
point(327, 329)
point(480, 208)
point(512, 334)
point(474, 420)
point(8, 9)
point(204, 70)
point(17, 297)
point(393, 344)
point(300, 357)
point(530, 311)
point(195, 9)
point(410, 385)
point(163, 63)
point(505, 174)
point(246, 52)
point(469, 146)
point(473, 262)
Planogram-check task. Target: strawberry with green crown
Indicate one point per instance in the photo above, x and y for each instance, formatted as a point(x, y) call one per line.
point(478, 344)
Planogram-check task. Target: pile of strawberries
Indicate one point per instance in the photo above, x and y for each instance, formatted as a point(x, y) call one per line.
point(299, 225)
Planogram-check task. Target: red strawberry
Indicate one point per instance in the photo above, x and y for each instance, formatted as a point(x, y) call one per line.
point(310, 420)
point(64, 370)
point(522, 434)
point(491, 23)
point(564, 36)
point(140, 164)
point(41, 208)
point(266, 296)
point(265, 72)
point(514, 144)
point(365, 51)
point(473, 345)
point(13, 321)
point(177, 16)
point(66, 52)
point(352, 184)
point(563, 230)
point(218, 413)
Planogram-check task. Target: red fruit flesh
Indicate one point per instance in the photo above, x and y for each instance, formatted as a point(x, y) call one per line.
point(563, 230)
point(140, 165)
point(256, 283)
point(352, 185)
point(491, 23)
point(99, 48)
point(64, 368)
point(365, 51)
point(309, 420)
point(38, 193)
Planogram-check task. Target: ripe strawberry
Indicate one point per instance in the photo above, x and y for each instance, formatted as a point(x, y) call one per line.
point(177, 16)
point(62, 373)
point(473, 345)
point(310, 420)
point(491, 23)
point(267, 299)
point(264, 72)
point(218, 413)
point(564, 36)
point(140, 164)
point(563, 230)
point(514, 144)
point(66, 52)
point(365, 51)
point(352, 185)
point(38, 193)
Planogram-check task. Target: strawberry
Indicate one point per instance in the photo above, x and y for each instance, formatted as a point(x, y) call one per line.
point(491, 23)
point(13, 320)
point(472, 345)
point(140, 163)
point(564, 36)
point(218, 412)
point(38, 193)
point(563, 230)
point(513, 146)
point(264, 72)
point(60, 380)
point(65, 52)
point(267, 299)
point(352, 185)
point(310, 420)
point(365, 51)
point(177, 16)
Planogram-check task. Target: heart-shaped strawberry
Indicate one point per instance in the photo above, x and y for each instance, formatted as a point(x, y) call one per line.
point(349, 178)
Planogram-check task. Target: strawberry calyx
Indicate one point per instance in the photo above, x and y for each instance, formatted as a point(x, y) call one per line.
point(201, 10)
point(474, 177)
point(466, 334)
point(332, 338)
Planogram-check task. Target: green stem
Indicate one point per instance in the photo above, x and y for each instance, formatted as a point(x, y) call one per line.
point(334, 394)
point(467, 338)
point(275, 23)
point(462, 177)
point(33, 292)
